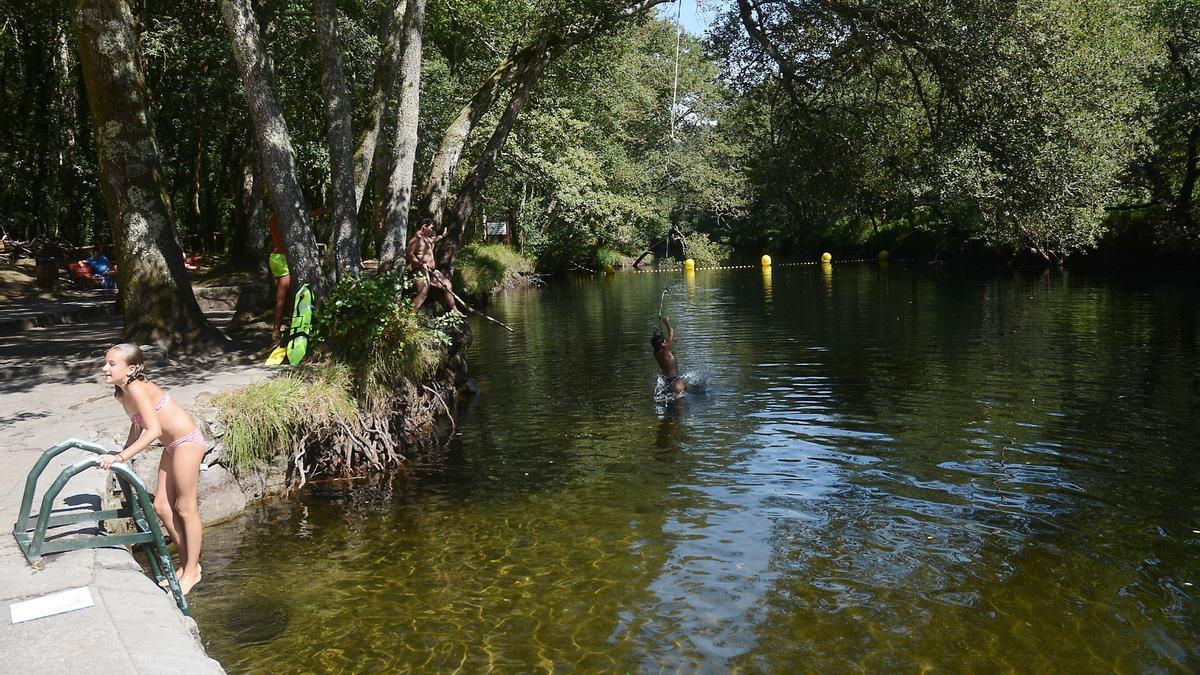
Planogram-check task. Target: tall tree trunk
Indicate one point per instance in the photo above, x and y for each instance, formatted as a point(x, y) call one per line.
point(436, 190)
point(398, 196)
point(274, 143)
point(437, 185)
point(249, 217)
point(347, 256)
point(391, 32)
point(1191, 172)
point(41, 148)
point(66, 68)
point(468, 194)
point(156, 297)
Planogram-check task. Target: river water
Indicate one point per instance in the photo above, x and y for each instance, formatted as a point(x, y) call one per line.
point(893, 469)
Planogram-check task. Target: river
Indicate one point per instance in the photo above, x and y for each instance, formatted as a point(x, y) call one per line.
point(892, 469)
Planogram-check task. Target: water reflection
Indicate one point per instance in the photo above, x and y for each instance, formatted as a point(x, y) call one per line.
point(906, 471)
point(671, 413)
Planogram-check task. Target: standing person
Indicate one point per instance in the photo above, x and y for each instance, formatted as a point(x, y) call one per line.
point(155, 417)
point(278, 263)
point(674, 383)
point(419, 255)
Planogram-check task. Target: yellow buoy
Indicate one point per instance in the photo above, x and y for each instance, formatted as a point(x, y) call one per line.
point(766, 261)
point(825, 257)
point(883, 256)
point(689, 264)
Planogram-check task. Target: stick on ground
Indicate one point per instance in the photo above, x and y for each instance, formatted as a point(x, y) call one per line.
point(475, 311)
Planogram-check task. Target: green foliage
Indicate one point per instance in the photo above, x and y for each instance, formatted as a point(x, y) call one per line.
point(607, 256)
point(704, 251)
point(622, 180)
point(1014, 121)
point(364, 325)
point(485, 268)
point(261, 418)
point(1168, 169)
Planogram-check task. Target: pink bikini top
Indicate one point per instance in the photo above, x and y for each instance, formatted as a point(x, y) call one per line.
point(162, 402)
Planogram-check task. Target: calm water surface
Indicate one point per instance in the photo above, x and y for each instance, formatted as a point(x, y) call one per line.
point(893, 470)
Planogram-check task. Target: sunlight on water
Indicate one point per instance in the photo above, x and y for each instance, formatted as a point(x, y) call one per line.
point(890, 470)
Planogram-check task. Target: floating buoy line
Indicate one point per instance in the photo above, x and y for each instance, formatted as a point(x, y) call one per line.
point(684, 268)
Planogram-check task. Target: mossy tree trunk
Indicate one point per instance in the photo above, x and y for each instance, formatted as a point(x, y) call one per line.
point(347, 255)
point(437, 185)
point(274, 144)
point(156, 296)
point(391, 33)
point(468, 193)
point(398, 195)
point(249, 217)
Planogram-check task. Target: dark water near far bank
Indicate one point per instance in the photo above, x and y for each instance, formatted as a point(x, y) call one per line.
point(894, 470)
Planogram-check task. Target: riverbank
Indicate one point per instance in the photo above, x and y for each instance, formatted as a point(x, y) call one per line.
point(49, 365)
point(134, 626)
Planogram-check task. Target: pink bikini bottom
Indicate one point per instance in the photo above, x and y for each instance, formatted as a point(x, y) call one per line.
point(194, 437)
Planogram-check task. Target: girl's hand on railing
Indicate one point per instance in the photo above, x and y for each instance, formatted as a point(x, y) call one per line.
point(106, 461)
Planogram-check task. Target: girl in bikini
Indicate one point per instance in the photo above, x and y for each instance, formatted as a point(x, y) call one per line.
point(155, 417)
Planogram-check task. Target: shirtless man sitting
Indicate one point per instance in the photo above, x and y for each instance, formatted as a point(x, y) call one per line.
point(675, 383)
point(425, 273)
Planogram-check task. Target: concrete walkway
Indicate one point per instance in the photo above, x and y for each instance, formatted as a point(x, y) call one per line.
point(134, 626)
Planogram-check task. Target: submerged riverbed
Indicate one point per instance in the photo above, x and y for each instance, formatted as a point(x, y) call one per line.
point(893, 469)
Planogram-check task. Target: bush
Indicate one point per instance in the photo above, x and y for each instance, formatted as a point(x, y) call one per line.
point(705, 251)
point(608, 256)
point(365, 326)
point(260, 419)
point(485, 268)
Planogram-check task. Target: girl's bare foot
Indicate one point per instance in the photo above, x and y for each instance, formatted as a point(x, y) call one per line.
point(166, 583)
point(186, 582)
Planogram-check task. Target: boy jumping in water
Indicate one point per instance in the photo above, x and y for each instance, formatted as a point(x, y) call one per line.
point(675, 384)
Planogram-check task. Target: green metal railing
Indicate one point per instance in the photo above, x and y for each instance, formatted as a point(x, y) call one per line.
point(30, 530)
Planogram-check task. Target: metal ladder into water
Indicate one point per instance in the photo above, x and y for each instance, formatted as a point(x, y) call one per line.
point(30, 529)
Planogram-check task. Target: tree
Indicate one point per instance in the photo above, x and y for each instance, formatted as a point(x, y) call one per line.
point(156, 297)
point(1171, 162)
point(347, 254)
point(559, 32)
point(274, 143)
point(1014, 118)
point(398, 195)
point(622, 182)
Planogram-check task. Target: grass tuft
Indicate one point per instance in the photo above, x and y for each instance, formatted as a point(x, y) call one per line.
point(608, 256)
point(485, 268)
point(262, 418)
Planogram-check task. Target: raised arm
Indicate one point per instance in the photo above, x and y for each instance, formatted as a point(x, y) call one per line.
point(670, 331)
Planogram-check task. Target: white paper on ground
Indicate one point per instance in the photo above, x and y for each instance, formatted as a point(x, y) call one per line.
point(49, 605)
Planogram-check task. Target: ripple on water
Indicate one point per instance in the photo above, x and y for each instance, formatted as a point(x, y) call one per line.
point(893, 471)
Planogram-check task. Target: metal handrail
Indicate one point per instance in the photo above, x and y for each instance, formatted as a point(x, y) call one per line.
point(140, 509)
point(35, 473)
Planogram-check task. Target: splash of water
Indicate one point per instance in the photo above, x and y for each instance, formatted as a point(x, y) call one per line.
point(695, 381)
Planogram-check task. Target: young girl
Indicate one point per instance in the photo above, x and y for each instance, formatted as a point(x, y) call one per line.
point(155, 417)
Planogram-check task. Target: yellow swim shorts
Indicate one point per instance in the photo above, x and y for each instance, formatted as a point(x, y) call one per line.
point(278, 264)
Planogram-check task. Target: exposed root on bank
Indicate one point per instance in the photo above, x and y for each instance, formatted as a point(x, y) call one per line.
point(373, 441)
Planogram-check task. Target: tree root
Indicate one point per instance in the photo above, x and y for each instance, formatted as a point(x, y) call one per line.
point(373, 441)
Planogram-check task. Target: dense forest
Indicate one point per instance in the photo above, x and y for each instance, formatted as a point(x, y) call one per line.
point(1025, 127)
